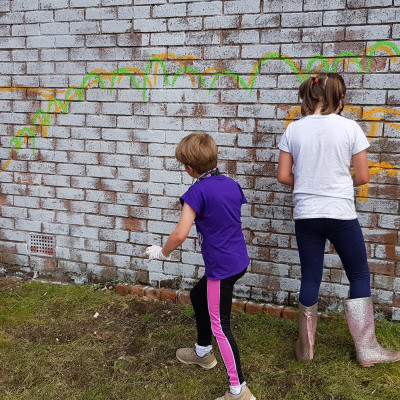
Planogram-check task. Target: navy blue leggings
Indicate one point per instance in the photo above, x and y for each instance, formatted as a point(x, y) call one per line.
point(347, 239)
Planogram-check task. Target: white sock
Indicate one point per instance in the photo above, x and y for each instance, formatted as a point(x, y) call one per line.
point(201, 351)
point(235, 389)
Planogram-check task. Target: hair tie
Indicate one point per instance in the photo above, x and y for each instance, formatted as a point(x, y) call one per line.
point(315, 80)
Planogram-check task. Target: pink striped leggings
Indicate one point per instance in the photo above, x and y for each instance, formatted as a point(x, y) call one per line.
point(212, 303)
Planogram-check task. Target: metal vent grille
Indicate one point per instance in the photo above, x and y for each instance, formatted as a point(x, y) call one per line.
point(41, 244)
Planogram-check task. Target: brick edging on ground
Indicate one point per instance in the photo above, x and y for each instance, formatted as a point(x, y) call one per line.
point(182, 297)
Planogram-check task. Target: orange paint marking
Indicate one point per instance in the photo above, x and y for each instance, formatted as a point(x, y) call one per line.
point(172, 56)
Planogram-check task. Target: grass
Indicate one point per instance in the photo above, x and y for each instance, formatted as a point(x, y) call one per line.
point(53, 347)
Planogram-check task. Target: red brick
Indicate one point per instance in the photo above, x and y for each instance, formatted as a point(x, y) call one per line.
point(274, 311)
point(3, 199)
point(396, 300)
point(136, 290)
point(238, 306)
point(153, 294)
point(288, 313)
point(142, 277)
point(184, 298)
point(253, 308)
point(122, 289)
point(134, 224)
point(382, 267)
point(168, 295)
point(391, 252)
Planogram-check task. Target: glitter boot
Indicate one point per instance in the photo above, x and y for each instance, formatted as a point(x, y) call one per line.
point(307, 326)
point(360, 318)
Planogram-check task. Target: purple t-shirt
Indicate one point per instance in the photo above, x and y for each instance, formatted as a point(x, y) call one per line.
point(217, 201)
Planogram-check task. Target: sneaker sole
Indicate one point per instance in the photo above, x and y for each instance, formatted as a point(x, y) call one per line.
point(208, 366)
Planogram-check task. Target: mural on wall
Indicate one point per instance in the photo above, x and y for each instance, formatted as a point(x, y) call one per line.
point(41, 120)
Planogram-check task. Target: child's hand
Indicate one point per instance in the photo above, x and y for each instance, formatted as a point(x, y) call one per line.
point(154, 253)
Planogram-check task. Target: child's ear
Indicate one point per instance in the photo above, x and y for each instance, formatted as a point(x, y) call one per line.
point(191, 171)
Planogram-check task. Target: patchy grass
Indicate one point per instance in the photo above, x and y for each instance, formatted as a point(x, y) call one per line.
point(53, 347)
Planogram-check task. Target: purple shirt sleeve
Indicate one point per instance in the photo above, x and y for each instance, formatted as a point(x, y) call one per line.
point(194, 199)
point(243, 198)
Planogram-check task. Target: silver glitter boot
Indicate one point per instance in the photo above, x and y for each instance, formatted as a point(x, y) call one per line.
point(307, 326)
point(360, 318)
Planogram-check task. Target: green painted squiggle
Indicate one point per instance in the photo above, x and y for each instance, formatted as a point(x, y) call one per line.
point(375, 47)
point(316, 58)
point(230, 73)
point(98, 77)
point(146, 74)
point(191, 70)
point(79, 92)
point(351, 56)
point(123, 71)
point(275, 56)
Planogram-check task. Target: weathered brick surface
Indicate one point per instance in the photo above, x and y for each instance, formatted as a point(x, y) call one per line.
point(100, 175)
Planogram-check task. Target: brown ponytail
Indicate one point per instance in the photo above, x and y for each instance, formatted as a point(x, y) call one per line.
point(327, 89)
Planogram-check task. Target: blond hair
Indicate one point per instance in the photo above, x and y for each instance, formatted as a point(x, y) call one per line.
point(327, 89)
point(199, 151)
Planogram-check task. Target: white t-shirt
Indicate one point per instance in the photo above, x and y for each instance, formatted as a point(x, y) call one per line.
point(322, 147)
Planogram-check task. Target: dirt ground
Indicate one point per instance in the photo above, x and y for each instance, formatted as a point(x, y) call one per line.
point(72, 342)
point(125, 326)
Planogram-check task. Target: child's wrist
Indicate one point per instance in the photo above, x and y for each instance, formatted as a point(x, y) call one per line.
point(167, 256)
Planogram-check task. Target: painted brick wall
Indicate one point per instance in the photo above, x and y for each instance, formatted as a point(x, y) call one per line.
point(95, 95)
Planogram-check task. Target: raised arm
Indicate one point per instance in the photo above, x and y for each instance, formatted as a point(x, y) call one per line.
point(285, 174)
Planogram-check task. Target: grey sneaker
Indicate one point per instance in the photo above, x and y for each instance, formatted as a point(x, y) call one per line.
point(188, 355)
point(245, 394)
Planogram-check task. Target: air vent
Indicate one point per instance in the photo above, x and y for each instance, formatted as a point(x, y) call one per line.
point(41, 245)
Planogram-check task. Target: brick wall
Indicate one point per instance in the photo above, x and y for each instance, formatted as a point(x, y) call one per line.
point(95, 95)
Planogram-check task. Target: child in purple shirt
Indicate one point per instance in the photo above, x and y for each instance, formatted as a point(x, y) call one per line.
point(214, 203)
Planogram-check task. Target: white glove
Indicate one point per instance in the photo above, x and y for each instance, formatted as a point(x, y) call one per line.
point(154, 253)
